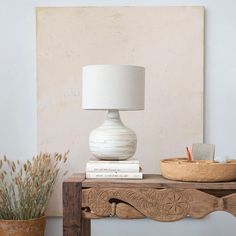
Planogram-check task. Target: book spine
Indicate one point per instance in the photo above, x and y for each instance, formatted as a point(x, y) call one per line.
point(94, 175)
point(95, 167)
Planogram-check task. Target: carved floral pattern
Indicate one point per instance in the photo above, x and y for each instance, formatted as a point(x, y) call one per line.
point(161, 205)
point(175, 203)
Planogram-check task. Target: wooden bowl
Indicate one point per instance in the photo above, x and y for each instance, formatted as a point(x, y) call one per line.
point(198, 171)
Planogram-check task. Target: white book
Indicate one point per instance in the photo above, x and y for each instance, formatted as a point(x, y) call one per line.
point(95, 175)
point(129, 161)
point(112, 167)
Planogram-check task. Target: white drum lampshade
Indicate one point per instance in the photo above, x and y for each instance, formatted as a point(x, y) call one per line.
point(113, 88)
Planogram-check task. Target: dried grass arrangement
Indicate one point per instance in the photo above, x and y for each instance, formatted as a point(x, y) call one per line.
point(25, 189)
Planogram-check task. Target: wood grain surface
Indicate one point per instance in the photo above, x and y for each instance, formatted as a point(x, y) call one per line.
point(153, 197)
point(162, 205)
point(157, 181)
point(72, 204)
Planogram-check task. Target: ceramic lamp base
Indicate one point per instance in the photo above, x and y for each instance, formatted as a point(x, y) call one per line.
point(112, 140)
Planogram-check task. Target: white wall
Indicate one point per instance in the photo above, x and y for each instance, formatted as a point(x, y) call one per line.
point(18, 100)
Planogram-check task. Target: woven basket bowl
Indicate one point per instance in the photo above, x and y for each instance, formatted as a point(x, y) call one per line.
point(198, 171)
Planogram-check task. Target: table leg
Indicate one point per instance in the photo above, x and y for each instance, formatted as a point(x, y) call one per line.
point(72, 212)
point(86, 227)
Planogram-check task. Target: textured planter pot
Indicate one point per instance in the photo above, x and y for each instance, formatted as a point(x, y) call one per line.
point(34, 227)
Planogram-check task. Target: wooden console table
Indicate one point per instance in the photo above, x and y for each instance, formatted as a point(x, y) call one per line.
point(153, 197)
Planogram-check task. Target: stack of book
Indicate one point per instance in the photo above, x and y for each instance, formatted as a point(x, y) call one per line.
point(128, 169)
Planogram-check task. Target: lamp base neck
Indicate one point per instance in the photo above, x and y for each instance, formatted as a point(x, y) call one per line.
point(113, 114)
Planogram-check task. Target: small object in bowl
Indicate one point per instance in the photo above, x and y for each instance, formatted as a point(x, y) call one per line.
point(189, 154)
point(203, 151)
point(198, 170)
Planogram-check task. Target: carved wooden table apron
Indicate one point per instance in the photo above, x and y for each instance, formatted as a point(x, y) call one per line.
point(153, 197)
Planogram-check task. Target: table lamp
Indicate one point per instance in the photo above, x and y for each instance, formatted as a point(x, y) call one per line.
point(113, 88)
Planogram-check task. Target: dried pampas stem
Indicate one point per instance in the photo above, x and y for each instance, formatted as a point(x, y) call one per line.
point(25, 188)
